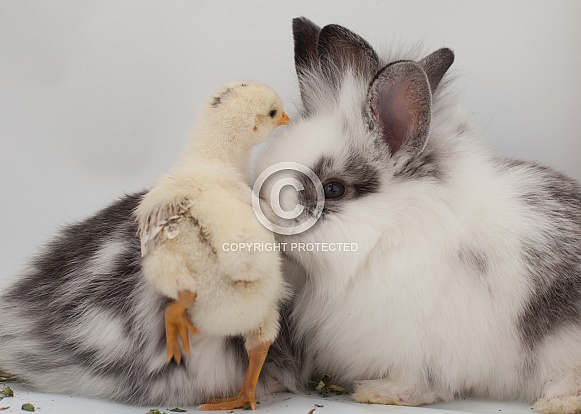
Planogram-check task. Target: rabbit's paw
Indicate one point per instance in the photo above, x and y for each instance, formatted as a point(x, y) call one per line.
point(561, 394)
point(559, 405)
point(393, 393)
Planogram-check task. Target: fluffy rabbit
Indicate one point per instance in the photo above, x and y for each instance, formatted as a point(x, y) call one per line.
point(467, 272)
point(83, 320)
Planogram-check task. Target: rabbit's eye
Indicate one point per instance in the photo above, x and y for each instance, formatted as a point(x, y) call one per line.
point(334, 190)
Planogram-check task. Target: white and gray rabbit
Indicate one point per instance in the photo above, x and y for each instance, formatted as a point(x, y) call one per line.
point(82, 320)
point(467, 272)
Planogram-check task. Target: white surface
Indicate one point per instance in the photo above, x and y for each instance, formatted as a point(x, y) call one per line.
point(96, 99)
point(275, 404)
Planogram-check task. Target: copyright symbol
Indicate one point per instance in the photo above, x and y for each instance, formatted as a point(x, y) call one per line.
point(295, 226)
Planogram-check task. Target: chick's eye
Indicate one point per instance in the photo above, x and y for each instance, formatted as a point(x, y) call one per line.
point(272, 113)
point(334, 190)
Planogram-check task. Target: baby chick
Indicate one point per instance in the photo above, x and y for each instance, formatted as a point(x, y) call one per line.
point(188, 221)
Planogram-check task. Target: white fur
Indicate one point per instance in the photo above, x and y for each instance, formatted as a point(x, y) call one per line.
point(404, 312)
point(103, 261)
point(102, 331)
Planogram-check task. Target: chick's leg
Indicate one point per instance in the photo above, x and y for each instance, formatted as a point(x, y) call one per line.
point(247, 395)
point(178, 324)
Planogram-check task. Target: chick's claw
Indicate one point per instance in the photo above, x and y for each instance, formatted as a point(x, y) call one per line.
point(244, 399)
point(247, 395)
point(178, 326)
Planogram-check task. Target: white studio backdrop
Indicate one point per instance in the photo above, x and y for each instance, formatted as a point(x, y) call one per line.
point(97, 97)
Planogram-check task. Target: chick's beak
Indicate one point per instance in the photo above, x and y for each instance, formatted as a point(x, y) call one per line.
point(284, 119)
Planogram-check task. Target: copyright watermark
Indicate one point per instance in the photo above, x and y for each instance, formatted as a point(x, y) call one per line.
point(299, 218)
point(290, 247)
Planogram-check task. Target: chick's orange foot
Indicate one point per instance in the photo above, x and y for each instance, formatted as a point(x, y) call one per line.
point(242, 400)
point(178, 326)
point(247, 395)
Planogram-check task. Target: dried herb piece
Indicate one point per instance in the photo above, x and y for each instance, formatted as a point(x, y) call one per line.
point(246, 407)
point(325, 388)
point(326, 379)
point(7, 391)
point(6, 377)
point(319, 405)
point(4, 408)
point(177, 410)
point(153, 411)
point(28, 407)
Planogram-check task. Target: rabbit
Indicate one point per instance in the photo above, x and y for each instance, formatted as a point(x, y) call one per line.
point(82, 320)
point(460, 271)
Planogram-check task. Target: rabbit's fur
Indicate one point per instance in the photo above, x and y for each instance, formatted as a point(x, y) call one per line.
point(467, 277)
point(83, 320)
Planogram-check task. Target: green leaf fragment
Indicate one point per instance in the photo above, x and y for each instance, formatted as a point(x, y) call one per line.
point(153, 411)
point(177, 410)
point(246, 408)
point(7, 391)
point(28, 407)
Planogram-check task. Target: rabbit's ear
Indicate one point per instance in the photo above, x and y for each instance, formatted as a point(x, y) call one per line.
point(306, 35)
point(436, 64)
point(399, 105)
point(340, 49)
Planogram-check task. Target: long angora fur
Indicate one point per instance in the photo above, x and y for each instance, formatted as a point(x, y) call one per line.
point(467, 272)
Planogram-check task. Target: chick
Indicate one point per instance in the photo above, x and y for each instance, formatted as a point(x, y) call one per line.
point(192, 216)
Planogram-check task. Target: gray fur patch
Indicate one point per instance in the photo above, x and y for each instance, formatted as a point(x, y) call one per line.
point(286, 357)
point(426, 165)
point(359, 175)
point(554, 261)
point(363, 176)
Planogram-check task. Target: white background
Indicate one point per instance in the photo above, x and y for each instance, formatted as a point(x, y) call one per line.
point(97, 97)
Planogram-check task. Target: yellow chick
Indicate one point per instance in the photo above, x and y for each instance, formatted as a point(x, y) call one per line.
point(191, 218)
